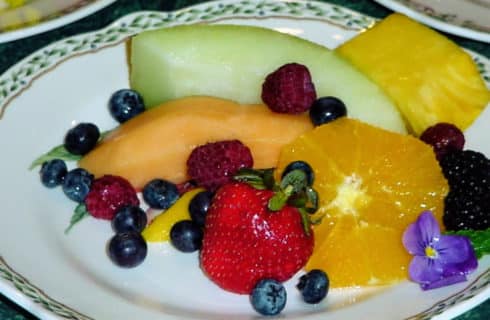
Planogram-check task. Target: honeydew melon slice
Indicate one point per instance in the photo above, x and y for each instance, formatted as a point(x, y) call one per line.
point(231, 62)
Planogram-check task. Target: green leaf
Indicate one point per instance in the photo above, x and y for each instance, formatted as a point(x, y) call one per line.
point(480, 239)
point(311, 205)
point(277, 201)
point(305, 221)
point(296, 179)
point(58, 152)
point(259, 179)
point(79, 213)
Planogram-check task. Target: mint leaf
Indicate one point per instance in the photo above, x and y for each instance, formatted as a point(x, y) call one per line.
point(58, 152)
point(480, 239)
point(79, 213)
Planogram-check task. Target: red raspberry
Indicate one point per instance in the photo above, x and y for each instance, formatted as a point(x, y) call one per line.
point(108, 194)
point(185, 186)
point(444, 138)
point(289, 89)
point(214, 164)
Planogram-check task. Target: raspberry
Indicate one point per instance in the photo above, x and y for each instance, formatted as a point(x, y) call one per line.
point(108, 194)
point(186, 186)
point(467, 205)
point(289, 89)
point(444, 138)
point(214, 164)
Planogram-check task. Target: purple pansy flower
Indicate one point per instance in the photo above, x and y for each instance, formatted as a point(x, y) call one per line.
point(439, 260)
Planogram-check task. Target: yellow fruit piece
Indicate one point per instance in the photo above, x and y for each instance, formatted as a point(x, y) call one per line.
point(9, 4)
point(158, 142)
point(159, 229)
point(372, 184)
point(429, 77)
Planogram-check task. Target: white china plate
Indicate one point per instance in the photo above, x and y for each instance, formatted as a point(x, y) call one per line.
point(37, 16)
point(465, 18)
point(56, 276)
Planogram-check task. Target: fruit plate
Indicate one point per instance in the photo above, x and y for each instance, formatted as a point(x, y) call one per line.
point(56, 276)
point(465, 18)
point(36, 16)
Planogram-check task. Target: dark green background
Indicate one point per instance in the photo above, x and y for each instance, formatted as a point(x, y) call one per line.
point(12, 52)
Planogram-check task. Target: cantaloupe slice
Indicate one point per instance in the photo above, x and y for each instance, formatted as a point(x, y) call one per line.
point(157, 143)
point(430, 78)
point(231, 62)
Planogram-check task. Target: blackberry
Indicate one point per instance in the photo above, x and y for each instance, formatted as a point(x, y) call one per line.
point(466, 212)
point(467, 205)
point(467, 171)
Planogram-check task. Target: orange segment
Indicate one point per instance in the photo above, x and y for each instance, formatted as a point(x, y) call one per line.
point(372, 183)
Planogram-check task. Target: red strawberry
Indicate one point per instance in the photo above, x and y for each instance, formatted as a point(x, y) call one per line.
point(245, 242)
point(213, 164)
point(108, 194)
point(289, 89)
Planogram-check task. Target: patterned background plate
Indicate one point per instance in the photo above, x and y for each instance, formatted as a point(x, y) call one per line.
point(56, 276)
point(465, 18)
point(36, 16)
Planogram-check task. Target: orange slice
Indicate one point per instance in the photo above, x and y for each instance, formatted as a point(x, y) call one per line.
point(372, 183)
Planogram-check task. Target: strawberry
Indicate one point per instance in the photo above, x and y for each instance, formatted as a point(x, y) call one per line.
point(246, 240)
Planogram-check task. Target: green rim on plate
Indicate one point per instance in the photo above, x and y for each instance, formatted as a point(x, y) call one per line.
point(20, 76)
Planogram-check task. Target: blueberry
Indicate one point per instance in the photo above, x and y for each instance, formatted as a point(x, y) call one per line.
point(82, 138)
point(186, 236)
point(268, 297)
point(160, 194)
point(199, 205)
point(129, 218)
point(125, 104)
point(313, 286)
point(327, 109)
point(76, 184)
point(53, 173)
point(127, 249)
point(303, 166)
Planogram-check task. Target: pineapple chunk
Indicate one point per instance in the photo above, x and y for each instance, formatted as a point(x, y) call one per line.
point(429, 77)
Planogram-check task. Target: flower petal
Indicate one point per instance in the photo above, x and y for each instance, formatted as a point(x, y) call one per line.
point(468, 265)
point(429, 228)
point(425, 270)
point(453, 249)
point(446, 281)
point(412, 240)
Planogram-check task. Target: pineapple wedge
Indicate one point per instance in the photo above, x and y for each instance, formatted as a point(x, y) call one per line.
point(429, 77)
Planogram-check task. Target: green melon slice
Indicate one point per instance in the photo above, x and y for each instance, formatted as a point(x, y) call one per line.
point(231, 62)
